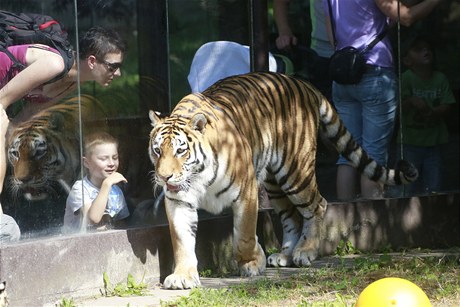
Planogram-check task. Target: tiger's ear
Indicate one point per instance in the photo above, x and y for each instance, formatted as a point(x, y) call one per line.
point(154, 118)
point(198, 122)
point(57, 121)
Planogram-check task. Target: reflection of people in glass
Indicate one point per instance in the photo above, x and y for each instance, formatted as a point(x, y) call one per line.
point(101, 55)
point(97, 201)
point(9, 230)
point(427, 98)
point(319, 41)
point(368, 108)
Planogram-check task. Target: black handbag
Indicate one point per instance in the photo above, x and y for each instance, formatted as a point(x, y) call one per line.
point(348, 65)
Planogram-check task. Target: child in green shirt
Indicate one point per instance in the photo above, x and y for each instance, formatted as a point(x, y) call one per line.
point(426, 99)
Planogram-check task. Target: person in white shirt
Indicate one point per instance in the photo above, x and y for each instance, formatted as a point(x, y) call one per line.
point(96, 202)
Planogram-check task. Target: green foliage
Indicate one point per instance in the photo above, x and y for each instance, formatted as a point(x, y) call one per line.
point(131, 288)
point(272, 250)
point(206, 273)
point(67, 303)
point(121, 99)
point(345, 248)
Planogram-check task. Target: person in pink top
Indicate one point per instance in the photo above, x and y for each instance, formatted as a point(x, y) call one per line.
point(101, 53)
point(368, 108)
point(100, 59)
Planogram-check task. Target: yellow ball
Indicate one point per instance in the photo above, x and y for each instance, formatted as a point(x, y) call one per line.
point(392, 292)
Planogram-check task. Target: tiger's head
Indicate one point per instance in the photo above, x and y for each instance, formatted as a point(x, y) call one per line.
point(44, 153)
point(178, 150)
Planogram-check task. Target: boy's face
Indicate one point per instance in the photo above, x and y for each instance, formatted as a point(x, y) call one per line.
point(102, 161)
point(419, 54)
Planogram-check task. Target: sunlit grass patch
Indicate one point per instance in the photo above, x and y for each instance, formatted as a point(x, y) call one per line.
point(339, 284)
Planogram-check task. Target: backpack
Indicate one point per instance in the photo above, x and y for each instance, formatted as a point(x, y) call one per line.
point(34, 29)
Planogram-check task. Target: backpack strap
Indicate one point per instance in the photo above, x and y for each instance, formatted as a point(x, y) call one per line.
point(16, 64)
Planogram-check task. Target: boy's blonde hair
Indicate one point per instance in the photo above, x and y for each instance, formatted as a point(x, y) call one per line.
point(97, 138)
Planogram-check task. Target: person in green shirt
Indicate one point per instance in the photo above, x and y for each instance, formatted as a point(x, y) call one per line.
point(426, 100)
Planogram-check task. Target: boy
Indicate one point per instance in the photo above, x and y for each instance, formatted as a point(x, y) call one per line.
point(426, 100)
point(96, 201)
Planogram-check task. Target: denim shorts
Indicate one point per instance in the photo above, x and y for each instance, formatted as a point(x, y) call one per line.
point(368, 110)
point(428, 161)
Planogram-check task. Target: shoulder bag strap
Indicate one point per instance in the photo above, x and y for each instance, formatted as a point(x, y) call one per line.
point(368, 47)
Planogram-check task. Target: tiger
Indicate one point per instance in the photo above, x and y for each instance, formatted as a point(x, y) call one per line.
point(216, 149)
point(44, 152)
point(3, 294)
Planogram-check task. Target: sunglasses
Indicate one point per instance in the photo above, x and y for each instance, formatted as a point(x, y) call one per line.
point(112, 67)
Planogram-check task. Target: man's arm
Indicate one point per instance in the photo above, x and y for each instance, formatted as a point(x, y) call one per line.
point(408, 14)
point(285, 37)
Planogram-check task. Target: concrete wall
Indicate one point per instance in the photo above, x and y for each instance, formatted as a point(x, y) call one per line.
point(62, 267)
point(50, 269)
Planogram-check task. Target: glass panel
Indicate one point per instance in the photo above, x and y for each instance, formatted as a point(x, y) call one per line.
point(194, 23)
point(110, 101)
point(430, 134)
point(39, 172)
point(162, 39)
point(441, 28)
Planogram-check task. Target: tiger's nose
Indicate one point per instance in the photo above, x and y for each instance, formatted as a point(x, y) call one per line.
point(165, 178)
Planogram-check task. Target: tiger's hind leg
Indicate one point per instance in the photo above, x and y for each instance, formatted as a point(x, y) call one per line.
point(312, 206)
point(291, 221)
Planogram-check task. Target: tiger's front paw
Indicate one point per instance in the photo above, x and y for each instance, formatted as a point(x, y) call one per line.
point(278, 259)
point(304, 257)
point(182, 281)
point(254, 267)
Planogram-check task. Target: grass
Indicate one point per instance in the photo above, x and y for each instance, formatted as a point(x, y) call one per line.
point(129, 289)
point(340, 283)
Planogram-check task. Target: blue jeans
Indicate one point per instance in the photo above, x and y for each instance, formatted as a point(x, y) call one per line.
point(368, 110)
point(428, 161)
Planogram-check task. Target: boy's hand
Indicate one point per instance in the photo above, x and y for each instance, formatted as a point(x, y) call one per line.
point(114, 178)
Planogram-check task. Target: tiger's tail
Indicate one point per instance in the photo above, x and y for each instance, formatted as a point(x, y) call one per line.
point(335, 131)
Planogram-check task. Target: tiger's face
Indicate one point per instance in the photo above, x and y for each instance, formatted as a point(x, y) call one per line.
point(38, 165)
point(44, 151)
point(174, 150)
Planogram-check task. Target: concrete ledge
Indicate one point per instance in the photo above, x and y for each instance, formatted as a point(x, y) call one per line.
point(426, 222)
point(50, 269)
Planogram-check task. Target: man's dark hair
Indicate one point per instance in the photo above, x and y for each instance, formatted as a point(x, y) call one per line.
point(99, 41)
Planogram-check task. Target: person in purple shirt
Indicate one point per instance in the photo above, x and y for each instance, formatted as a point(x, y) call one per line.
point(368, 108)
